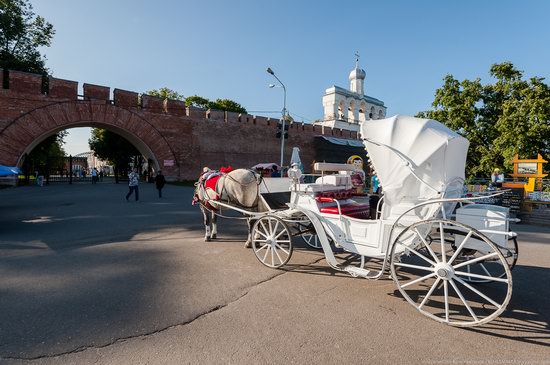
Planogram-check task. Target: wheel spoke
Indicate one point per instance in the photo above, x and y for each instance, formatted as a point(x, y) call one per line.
point(421, 256)
point(278, 256)
point(429, 293)
point(265, 229)
point(279, 234)
point(276, 226)
point(272, 257)
point(485, 269)
point(446, 293)
point(455, 287)
point(442, 238)
point(283, 241)
point(261, 233)
point(414, 266)
point(261, 248)
point(427, 245)
point(266, 252)
point(282, 249)
point(475, 260)
point(460, 247)
point(477, 276)
point(269, 226)
point(418, 280)
point(477, 292)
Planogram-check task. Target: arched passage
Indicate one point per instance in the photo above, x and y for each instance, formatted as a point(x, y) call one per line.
point(27, 131)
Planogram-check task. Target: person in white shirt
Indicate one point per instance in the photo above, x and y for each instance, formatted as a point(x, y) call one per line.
point(133, 184)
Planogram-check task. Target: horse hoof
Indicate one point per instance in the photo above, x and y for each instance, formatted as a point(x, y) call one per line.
point(214, 236)
point(206, 239)
point(247, 245)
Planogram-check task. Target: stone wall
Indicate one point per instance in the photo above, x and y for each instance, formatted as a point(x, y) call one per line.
point(165, 131)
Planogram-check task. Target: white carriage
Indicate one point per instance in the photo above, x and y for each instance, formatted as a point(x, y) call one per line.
point(449, 258)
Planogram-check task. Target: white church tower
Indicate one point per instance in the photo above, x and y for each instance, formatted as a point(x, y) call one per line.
point(345, 109)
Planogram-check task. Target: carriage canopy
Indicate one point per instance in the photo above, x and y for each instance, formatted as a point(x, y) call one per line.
point(414, 158)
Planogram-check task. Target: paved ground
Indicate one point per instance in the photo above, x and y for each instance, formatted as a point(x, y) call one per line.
point(88, 278)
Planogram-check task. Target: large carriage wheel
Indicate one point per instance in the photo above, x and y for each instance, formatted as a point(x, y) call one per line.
point(271, 241)
point(434, 277)
point(490, 267)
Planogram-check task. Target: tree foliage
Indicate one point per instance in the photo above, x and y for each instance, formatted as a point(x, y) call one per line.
point(227, 105)
point(197, 102)
point(112, 147)
point(48, 153)
point(219, 104)
point(500, 119)
point(22, 32)
point(165, 93)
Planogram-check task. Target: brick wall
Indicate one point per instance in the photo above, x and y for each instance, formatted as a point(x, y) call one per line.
point(190, 137)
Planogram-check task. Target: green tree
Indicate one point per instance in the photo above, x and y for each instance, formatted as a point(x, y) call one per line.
point(227, 105)
point(510, 116)
point(219, 104)
point(113, 148)
point(165, 93)
point(197, 102)
point(47, 155)
point(22, 32)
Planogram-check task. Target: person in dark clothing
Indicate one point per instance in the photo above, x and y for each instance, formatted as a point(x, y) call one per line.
point(159, 182)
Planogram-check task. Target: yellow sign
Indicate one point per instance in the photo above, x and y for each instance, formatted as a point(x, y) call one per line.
point(532, 169)
point(528, 168)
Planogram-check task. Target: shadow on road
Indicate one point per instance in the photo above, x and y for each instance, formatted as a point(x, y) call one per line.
point(527, 317)
point(66, 302)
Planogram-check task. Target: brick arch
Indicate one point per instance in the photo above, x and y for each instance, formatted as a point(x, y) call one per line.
point(29, 129)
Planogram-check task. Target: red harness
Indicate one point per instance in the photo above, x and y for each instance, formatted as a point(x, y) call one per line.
point(211, 183)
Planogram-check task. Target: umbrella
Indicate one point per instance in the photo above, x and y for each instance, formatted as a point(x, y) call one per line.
point(9, 171)
point(295, 158)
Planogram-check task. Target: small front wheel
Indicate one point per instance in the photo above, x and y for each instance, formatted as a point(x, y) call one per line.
point(271, 241)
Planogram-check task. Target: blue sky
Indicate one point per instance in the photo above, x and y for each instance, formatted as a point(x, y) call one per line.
point(220, 49)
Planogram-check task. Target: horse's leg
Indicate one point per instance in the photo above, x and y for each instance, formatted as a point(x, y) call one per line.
point(248, 243)
point(207, 221)
point(214, 226)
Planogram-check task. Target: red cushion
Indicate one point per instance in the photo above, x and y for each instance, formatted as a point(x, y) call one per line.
point(354, 210)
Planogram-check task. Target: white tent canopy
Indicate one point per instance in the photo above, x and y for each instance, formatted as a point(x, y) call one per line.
point(414, 158)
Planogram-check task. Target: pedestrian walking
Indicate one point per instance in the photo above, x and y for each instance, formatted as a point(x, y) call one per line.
point(159, 182)
point(94, 176)
point(133, 183)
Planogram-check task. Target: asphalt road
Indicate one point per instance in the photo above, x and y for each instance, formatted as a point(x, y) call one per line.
point(86, 277)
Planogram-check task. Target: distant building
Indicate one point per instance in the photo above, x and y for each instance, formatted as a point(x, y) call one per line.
point(88, 160)
point(345, 109)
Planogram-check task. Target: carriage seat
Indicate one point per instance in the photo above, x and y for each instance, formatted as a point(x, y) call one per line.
point(353, 209)
point(339, 180)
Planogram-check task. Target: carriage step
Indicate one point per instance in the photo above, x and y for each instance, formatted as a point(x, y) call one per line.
point(356, 271)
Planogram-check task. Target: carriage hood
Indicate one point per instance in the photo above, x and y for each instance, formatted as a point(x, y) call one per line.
point(414, 158)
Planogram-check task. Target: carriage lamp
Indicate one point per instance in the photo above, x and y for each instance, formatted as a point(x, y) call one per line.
point(295, 173)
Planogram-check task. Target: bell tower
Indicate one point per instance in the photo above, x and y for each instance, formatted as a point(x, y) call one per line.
point(357, 78)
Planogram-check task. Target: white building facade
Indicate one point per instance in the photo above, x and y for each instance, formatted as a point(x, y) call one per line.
point(345, 109)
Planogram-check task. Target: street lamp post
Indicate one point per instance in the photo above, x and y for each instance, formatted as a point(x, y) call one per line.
point(270, 71)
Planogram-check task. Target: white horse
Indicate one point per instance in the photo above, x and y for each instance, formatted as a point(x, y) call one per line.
point(239, 187)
